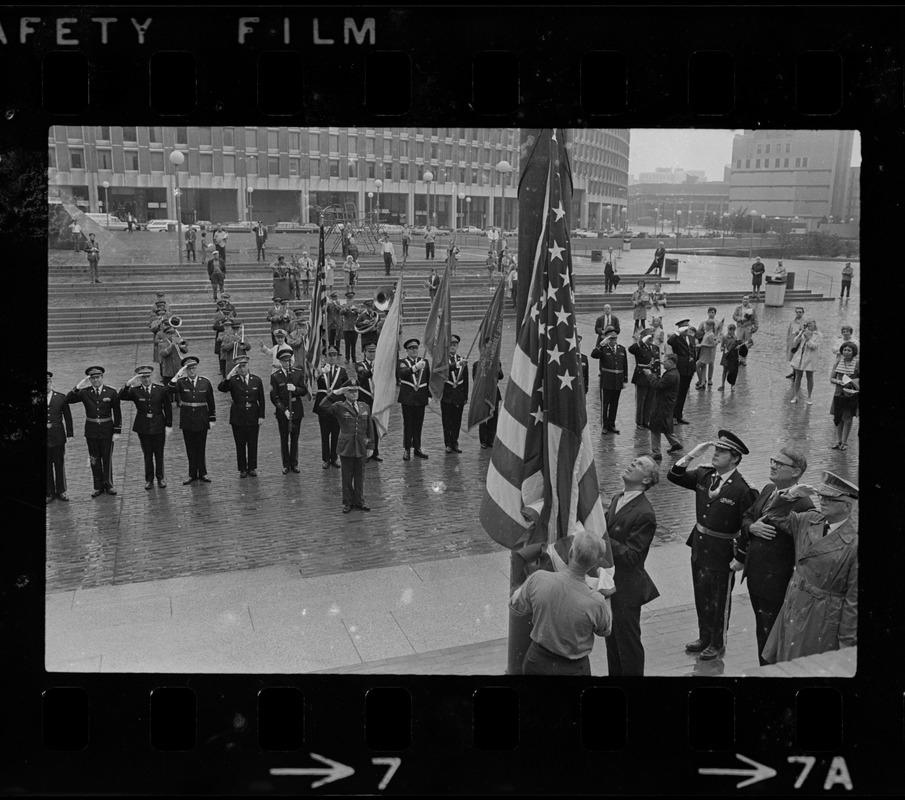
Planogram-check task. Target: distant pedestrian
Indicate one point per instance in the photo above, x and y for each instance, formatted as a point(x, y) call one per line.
point(429, 237)
point(794, 327)
point(329, 273)
point(732, 350)
point(706, 355)
point(845, 375)
point(76, 235)
point(433, 283)
point(260, 231)
point(490, 264)
point(220, 238)
point(406, 240)
point(93, 251)
point(512, 283)
point(845, 337)
point(665, 388)
point(757, 276)
point(658, 299)
point(190, 239)
point(805, 358)
point(608, 273)
point(641, 302)
point(745, 317)
point(389, 253)
point(848, 272)
point(657, 264)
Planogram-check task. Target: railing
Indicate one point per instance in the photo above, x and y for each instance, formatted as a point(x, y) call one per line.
point(807, 280)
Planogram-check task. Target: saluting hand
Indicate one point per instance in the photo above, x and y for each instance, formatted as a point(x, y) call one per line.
point(133, 381)
point(84, 383)
point(232, 372)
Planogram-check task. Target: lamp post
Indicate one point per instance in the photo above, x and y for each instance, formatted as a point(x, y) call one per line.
point(370, 213)
point(678, 225)
point(428, 177)
point(251, 203)
point(467, 211)
point(753, 214)
point(106, 185)
point(763, 228)
point(177, 159)
point(377, 185)
point(502, 168)
point(460, 214)
point(725, 223)
point(624, 215)
point(656, 219)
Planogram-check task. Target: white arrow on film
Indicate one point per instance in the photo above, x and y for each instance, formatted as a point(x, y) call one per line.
point(336, 771)
point(759, 773)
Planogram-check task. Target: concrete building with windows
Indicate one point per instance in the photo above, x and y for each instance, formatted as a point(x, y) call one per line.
point(788, 174)
point(669, 205)
point(599, 159)
point(289, 174)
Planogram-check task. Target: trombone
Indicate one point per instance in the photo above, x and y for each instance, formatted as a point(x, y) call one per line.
point(238, 342)
point(182, 344)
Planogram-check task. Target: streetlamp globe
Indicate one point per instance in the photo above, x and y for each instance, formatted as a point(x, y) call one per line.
point(428, 176)
point(177, 158)
point(106, 184)
point(378, 183)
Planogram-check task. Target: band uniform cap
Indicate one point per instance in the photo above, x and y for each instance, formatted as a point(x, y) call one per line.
point(160, 302)
point(241, 360)
point(144, 370)
point(277, 299)
point(168, 328)
point(455, 338)
point(221, 303)
point(412, 343)
point(350, 294)
point(226, 295)
point(834, 486)
point(729, 441)
point(189, 360)
point(353, 384)
point(236, 323)
point(94, 371)
point(49, 374)
point(683, 322)
point(369, 339)
point(280, 332)
point(284, 352)
point(371, 342)
point(608, 330)
point(161, 294)
point(332, 351)
point(334, 294)
point(300, 311)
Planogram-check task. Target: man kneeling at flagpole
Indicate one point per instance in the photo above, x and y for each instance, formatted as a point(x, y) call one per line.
point(566, 612)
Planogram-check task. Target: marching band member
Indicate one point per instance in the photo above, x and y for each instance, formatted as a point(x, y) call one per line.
point(455, 395)
point(169, 351)
point(59, 431)
point(278, 317)
point(153, 421)
point(349, 314)
point(222, 321)
point(246, 415)
point(154, 325)
point(232, 345)
point(364, 371)
point(334, 320)
point(329, 378)
point(197, 415)
point(413, 376)
point(103, 425)
point(287, 388)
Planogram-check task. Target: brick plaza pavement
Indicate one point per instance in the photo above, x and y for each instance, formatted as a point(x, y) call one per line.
point(226, 532)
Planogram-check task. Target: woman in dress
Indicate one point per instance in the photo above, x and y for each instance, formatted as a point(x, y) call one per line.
point(745, 317)
point(641, 303)
point(706, 353)
point(845, 376)
point(351, 269)
point(658, 299)
point(794, 327)
point(805, 357)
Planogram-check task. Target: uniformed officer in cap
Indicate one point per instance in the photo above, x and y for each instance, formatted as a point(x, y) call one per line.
point(354, 421)
point(59, 431)
point(279, 317)
point(197, 415)
point(364, 371)
point(103, 425)
point(613, 377)
point(684, 345)
point(246, 414)
point(722, 496)
point(287, 388)
point(153, 421)
point(455, 396)
point(329, 377)
point(413, 374)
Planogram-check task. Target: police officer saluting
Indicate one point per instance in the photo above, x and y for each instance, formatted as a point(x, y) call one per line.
point(246, 414)
point(197, 415)
point(455, 395)
point(103, 424)
point(153, 421)
point(721, 498)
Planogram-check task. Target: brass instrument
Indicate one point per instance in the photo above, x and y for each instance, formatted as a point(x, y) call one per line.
point(181, 344)
point(238, 342)
point(383, 298)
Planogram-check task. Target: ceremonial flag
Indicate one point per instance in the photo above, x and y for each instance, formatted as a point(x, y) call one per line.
point(437, 334)
point(484, 390)
point(542, 481)
point(383, 384)
point(316, 312)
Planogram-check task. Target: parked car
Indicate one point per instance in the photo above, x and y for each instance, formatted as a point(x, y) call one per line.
point(390, 228)
point(442, 230)
point(294, 227)
point(510, 233)
point(237, 227)
point(163, 225)
point(473, 229)
point(581, 233)
point(111, 223)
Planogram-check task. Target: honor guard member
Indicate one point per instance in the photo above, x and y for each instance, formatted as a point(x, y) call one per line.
point(413, 374)
point(349, 314)
point(646, 355)
point(197, 415)
point(246, 414)
point(613, 377)
point(273, 352)
point(278, 317)
point(364, 371)
point(487, 429)
point(455, 396)
point(59, 431)
point(287, 388)
point(103, 424)
point(585, 364)
point(722, 496)
point(354, 420)
point(330, 377)
point(684, 344)
point(232, 345)
point(334, 320)
point(153, 421)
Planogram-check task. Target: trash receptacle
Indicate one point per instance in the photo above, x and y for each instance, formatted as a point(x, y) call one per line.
point(775, 292)
point(790, 281)
point(671, 266)
point(626, 245)
point(171, 227)
point(597, 256)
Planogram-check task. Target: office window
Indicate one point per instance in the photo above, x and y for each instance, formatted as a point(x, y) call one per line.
point(353, 146)
point(461, 174)
point(798, 162)
point(372, 169)
point(273, 142)
point(461, 133)
point(388, 171)
point(435, 152)
point(294, 167)
point(738, 164)
point(103, 133)
point(776, 162)
point(419, 168)
point(334, 143)
point(251, 139)
point(435, 131)
point(369, 145)
point(757, 164)
point(229, 165)
point(105, 159)
point(788, 146)
point(204, 135)
point(759, 149)
point(251, 164)
point(155, 134)
point(129, 134)
point(785, 162)
point(334, 167)
point(131, 157)
point(747, 163)
point(403, 172)
point(273, 166)
point(353, 169)
point(181, 136)
point(403, 148)
point(206, 161)
point(76, 159)
point(295, 141)
point(52, 158)
point(156, 161)
point(767, 149)
point(229, 137)
point(447, 149)
point(804, 163)
point(314, 169)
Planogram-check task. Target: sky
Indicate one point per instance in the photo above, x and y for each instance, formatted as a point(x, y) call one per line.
point(708, 150)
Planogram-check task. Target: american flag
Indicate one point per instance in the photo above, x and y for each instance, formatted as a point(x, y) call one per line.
point(316, 312)
point(542, 470)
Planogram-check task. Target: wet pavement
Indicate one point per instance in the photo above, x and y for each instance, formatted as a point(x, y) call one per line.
point(422, 511)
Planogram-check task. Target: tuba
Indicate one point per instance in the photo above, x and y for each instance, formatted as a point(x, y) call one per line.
point(367, 320)
point(383, 298)
point(181, 343)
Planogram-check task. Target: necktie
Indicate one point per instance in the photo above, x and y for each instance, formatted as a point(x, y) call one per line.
point(715, 484)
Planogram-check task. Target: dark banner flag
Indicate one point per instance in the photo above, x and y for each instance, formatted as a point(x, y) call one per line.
point(542, 481)
point(484, 389)
point(437, 333)
point(316, 312)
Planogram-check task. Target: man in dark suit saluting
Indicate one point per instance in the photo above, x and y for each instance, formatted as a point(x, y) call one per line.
point(631, 524)
point(59, 431)
point(153, 421)
point(246, 415)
